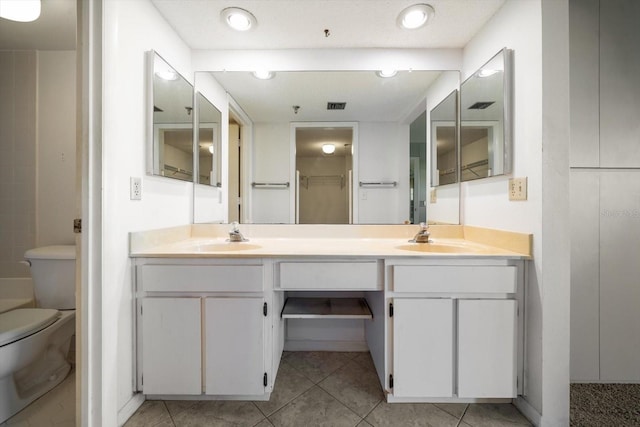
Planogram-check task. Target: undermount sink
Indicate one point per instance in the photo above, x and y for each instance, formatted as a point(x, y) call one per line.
point(225, 247)
point(439, 248)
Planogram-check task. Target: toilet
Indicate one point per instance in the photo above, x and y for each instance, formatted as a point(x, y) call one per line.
point(34, 342)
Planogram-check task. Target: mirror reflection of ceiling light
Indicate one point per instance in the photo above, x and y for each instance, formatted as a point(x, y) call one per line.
point(263, 74)
point(211, 149)
point(487, 72)
point(20, 10)
point(328, 148)
point(386, 73)
point(238, 19)
point(167, 74)
point(415, 16)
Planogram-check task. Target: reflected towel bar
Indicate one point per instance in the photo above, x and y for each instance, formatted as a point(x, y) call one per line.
point(378, 184)
point(270, 184)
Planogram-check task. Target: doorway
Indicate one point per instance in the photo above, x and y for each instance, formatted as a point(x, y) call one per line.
point(235, 170)
point(324, 164)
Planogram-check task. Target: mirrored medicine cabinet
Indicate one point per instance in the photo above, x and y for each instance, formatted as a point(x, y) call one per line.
point(174, 150)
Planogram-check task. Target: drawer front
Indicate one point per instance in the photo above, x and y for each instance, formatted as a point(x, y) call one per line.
point(329, 275)
point(458, 279)
point(201, 278)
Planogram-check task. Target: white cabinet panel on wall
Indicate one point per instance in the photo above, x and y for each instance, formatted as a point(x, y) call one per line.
point(619, 275)
point(423, 347)
point(171, 352)
point(487, 348)
point(584, 38)
point(619, 88)
point(234, 336)
point(585, 275)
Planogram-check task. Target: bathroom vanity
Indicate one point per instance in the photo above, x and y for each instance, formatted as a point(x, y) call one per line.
point(443, 321)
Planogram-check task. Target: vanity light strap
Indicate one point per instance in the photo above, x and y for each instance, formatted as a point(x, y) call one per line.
point(378, 184)
point(270, 184)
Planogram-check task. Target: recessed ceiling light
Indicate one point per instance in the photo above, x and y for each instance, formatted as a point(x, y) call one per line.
point(264, 74)
point(328, 148)
point(238, 19)
point(20, 10)
point(415, 16)
point(386, 73)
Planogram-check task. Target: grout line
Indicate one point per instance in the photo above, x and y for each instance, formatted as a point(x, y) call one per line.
point(463, 414)
point(169, 412)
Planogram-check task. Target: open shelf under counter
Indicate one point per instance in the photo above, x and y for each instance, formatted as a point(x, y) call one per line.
point(326, 308)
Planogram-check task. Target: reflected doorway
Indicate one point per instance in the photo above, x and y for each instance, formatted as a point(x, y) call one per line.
point(324, 174)
point(418, 169)
point(235, 170)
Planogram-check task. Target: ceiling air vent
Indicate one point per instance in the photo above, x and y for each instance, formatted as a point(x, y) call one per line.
point(481, 105)
point(336, 105)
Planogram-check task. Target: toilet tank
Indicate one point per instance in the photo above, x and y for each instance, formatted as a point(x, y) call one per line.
point(53, 269)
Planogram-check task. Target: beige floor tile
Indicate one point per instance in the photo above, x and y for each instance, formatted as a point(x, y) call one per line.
point(494, 415)
point(317, 365)
point(264, 423)
point(290, 383)
point(363, 423)
point(355, 386)
point(410, 415)
point(455, 409)
point(176, 406)
point(219, 413)
point(315, 408)
point(151, 413)
point(364, 360)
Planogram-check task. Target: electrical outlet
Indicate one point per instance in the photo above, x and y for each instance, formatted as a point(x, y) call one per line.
point(135, 188)
point(517, 189)
point(433, 196)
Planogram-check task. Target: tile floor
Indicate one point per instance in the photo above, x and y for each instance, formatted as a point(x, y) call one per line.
point(324, 389)
point(56, 408)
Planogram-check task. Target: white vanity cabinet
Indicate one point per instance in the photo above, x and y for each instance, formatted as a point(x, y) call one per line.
point(454, 330)
point(203, 327)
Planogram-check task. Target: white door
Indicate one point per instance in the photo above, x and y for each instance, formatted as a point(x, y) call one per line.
point(487, 348)
point(423, 347)
point(234, 355)
point(171, 361)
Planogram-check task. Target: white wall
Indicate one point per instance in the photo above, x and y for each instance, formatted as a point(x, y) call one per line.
point(517, 25)
point(130, 28)
point(383, 156)
point(605, 191)
point(37, 153)
point(18, 115)
point(56, 175)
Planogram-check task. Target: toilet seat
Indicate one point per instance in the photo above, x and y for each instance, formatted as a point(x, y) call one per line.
point(19, 323)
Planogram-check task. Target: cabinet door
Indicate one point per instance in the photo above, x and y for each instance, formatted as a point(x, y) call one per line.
point(171, 352)
point(234, 335)
point(487, 348)
point(423, 347)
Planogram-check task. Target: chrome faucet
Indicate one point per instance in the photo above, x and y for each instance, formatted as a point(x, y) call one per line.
point(422, 236)
point(235, 235)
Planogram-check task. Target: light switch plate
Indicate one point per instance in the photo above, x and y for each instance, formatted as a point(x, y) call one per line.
point(517, 189)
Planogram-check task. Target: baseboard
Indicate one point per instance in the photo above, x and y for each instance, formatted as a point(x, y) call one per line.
point(130, 408)
point(316, 345)
point(527, 410)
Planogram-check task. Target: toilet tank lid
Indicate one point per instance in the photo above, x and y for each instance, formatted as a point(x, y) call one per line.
point(52, 252)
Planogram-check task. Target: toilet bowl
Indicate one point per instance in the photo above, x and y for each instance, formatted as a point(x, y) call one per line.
point(34, 342)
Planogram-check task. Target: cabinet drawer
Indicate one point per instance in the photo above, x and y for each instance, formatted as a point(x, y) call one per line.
point(329, 275)
point(458, 279)
point(201, 278)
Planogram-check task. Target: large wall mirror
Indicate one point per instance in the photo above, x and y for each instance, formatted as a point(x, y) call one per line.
point(444, 141)
point(170, 140)
point(208, 142)
point(389, 163)
point(485, 120)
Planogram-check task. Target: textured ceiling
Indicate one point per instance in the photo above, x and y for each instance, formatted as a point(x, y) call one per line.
point(287, 24)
